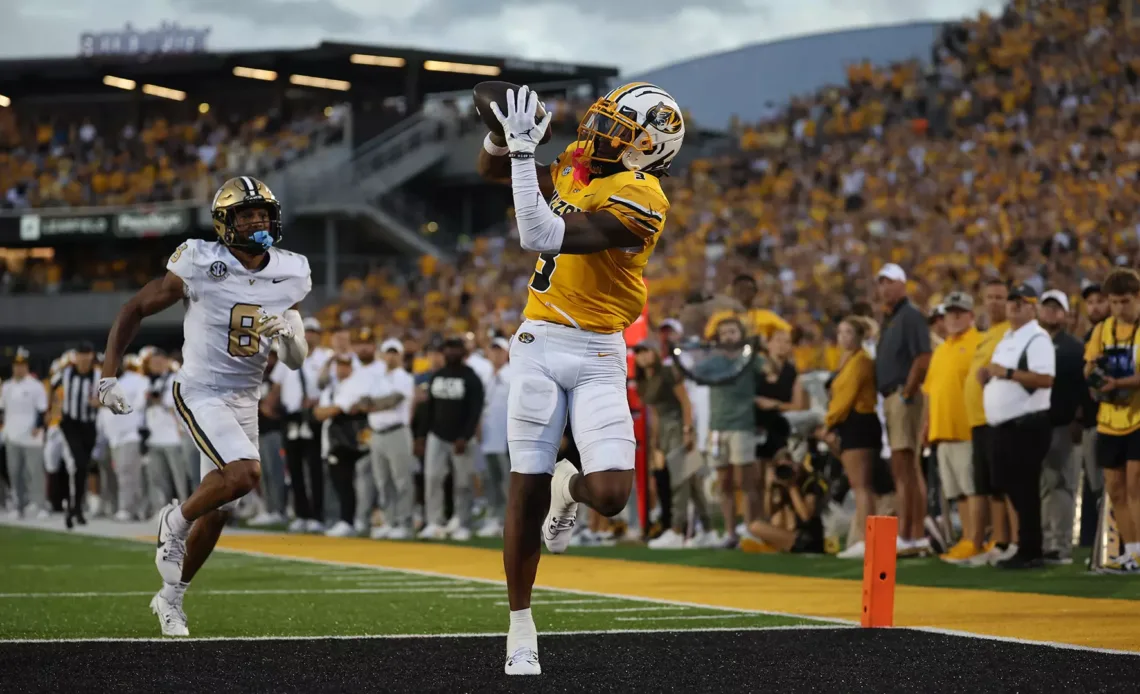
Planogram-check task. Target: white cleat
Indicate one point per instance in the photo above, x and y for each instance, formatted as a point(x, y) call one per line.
point(381, 532)
point(460, 534)
point(491, 528)
point(558, 528)
point(170, 617)
point(668, 540)
point(399, 532)
point(524, 661)
point(171, 549)
point(432, 531)
point(341, 529)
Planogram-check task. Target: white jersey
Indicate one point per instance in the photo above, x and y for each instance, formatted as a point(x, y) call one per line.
point(223, 301)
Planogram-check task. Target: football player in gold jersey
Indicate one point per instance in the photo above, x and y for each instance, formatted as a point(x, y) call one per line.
point(594, 217)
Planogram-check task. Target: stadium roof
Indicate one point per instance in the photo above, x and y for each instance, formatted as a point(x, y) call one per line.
point(328, 65)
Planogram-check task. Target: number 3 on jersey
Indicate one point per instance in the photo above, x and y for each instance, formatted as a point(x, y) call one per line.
point(243, 338)
point(540, 282)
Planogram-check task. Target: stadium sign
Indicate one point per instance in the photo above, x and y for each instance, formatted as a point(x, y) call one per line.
point(34, 227)
point(152, 223)
point(169, 37)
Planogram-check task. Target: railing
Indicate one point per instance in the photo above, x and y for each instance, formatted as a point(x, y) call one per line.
point(341, 184)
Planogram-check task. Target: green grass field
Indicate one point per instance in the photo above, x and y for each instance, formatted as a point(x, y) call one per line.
point(57, 586)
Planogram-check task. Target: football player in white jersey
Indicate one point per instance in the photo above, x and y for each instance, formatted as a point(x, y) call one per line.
point(241, 295)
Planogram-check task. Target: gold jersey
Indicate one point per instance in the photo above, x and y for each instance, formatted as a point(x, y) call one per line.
point(599, 292)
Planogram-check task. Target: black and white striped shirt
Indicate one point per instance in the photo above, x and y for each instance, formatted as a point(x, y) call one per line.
point(78, 389)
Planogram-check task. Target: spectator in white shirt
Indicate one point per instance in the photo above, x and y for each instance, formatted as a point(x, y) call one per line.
point(341, 411)
point(393, 465)
point(1018, 387)
point(23, 408)
point(494, 438)
point(167, 467)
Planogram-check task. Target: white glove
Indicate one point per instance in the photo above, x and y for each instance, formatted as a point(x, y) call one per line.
point(274, 326)
point(113, 397)
point(522, 133)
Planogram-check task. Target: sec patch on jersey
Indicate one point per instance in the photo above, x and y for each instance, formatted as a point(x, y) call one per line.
point(486, 92)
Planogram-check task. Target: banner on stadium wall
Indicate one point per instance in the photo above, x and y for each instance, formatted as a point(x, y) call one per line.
point(154, 222)
point(168, 37)
point(34, 227)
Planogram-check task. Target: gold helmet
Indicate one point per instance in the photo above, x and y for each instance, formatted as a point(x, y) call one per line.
point(243, 193)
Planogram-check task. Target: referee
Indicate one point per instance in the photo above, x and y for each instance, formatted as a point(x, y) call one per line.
point(79, 402)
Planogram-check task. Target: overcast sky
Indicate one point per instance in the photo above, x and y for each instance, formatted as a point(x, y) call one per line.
point(633, 35)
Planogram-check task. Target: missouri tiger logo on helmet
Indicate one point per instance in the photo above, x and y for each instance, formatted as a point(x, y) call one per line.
point(236, 219)
point(638, 126)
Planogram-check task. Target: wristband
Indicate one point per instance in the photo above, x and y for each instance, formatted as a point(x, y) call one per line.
point(493, 149)
point(1008, 374)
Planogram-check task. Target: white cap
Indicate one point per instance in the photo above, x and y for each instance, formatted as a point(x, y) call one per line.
point(673, 324)
point(311, 323)
point(892, 272)
point(1058, 296)
point(501, 343)
point(392, 345)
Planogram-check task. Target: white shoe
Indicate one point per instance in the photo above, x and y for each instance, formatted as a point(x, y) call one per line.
point(433, 531)
point(999, 555)
point(558, 527)
point(170, 617)
point(123, 516)
point(15, 514)
point(314, 526)
point(43, 514)
point(701, 540)
point(399, 533)
point(524, 661)
point(460, 534)
point(380, 532)
point(261, 520)
point(341, 529)
point(171, 548)
point(276, 519)
point(855, 551)
point(297, 525)
point(453, 524)
point(491, 528)
point(668, 540)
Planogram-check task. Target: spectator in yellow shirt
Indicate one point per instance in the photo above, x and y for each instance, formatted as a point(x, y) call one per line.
point(757, 321)
point(945, 425)
point(995, 295)
point(852, 424)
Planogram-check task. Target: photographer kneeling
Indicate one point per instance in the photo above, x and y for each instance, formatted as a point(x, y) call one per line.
point(797, 498)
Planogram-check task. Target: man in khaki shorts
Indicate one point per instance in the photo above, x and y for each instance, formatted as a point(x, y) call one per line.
point(901, 358)
point(946, 425)
point(732, 427)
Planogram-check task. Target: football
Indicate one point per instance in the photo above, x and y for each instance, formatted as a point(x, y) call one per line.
point(486, 92)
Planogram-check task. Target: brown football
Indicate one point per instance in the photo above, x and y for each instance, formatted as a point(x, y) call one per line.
point(486, 92)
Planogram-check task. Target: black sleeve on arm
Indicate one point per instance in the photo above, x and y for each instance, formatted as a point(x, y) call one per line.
point(472, 403)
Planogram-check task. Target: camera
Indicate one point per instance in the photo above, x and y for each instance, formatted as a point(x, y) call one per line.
point(1096, 380)
point(785, 472)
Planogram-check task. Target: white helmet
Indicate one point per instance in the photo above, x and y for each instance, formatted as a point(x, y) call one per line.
point(637, 125)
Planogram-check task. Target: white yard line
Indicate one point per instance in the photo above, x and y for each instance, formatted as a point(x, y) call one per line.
point(646, 608)
point(470, 635)
point(544, 603)
point(253, 591)
point(682, 616)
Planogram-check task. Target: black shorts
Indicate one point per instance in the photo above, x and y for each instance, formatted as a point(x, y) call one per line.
point(1113, 452)
point(860, 431)
point(983, 467)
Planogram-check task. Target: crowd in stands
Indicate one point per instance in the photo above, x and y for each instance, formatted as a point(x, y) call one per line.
point(79, 163)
